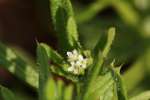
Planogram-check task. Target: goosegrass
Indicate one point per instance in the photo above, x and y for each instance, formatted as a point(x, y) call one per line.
point(99, 79)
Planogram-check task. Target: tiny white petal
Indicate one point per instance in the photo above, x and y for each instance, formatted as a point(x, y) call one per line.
point(69, 53)
point(77, 62)
point(84, 66)
point(81, 57)
point(76, 71)
point(70, 69)
point(72, 63)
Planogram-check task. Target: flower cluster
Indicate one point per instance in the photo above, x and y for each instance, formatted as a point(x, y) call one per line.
point(77, 61)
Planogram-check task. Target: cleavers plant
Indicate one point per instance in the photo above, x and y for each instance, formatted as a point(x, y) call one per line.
point(88, 78)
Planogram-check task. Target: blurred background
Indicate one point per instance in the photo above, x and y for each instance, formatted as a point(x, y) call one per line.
point(22, 22)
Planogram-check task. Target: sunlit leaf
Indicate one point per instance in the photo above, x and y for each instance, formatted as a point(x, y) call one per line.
point(18, 66)
point(43, 69)
point(68, 92)
point(103, 88)
point(50, 90)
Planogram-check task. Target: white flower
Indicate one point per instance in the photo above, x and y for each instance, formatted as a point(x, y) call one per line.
point(70, 69)
point(81, 58)
point(77, 61)
point(72, 55)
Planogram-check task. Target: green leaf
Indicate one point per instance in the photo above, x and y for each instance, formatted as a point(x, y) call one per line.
point(68, 92)
point(64, 23)
point(103, 88)
point(7, 94)
point(107, 86)
point(104, 43)
point(43, 69)
point(58, 90)
point(11, 61)
point(50, 90)
point(64, 91)
point(121, 90)
point(142, 96)
point(111, 36)
point(53, 56)
point(99, 60)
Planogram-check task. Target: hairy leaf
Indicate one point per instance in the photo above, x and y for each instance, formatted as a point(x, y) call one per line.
point(104, 44)
point(103, 88)
point(64, 23)
point(43, 69)
point(53, 56)
point(18, 66)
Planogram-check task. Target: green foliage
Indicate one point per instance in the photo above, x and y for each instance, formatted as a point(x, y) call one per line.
point(52, 54)
point(18, 66)
point(142, 96)
point(100, 80)
point(43, 69)
point(121, 90)
point(50, 90)
point(68, 92)
point(99, 60)
point(7, 94)
point(64, 23)
point(103, 87)
point(57, 90)
point(111, 36)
